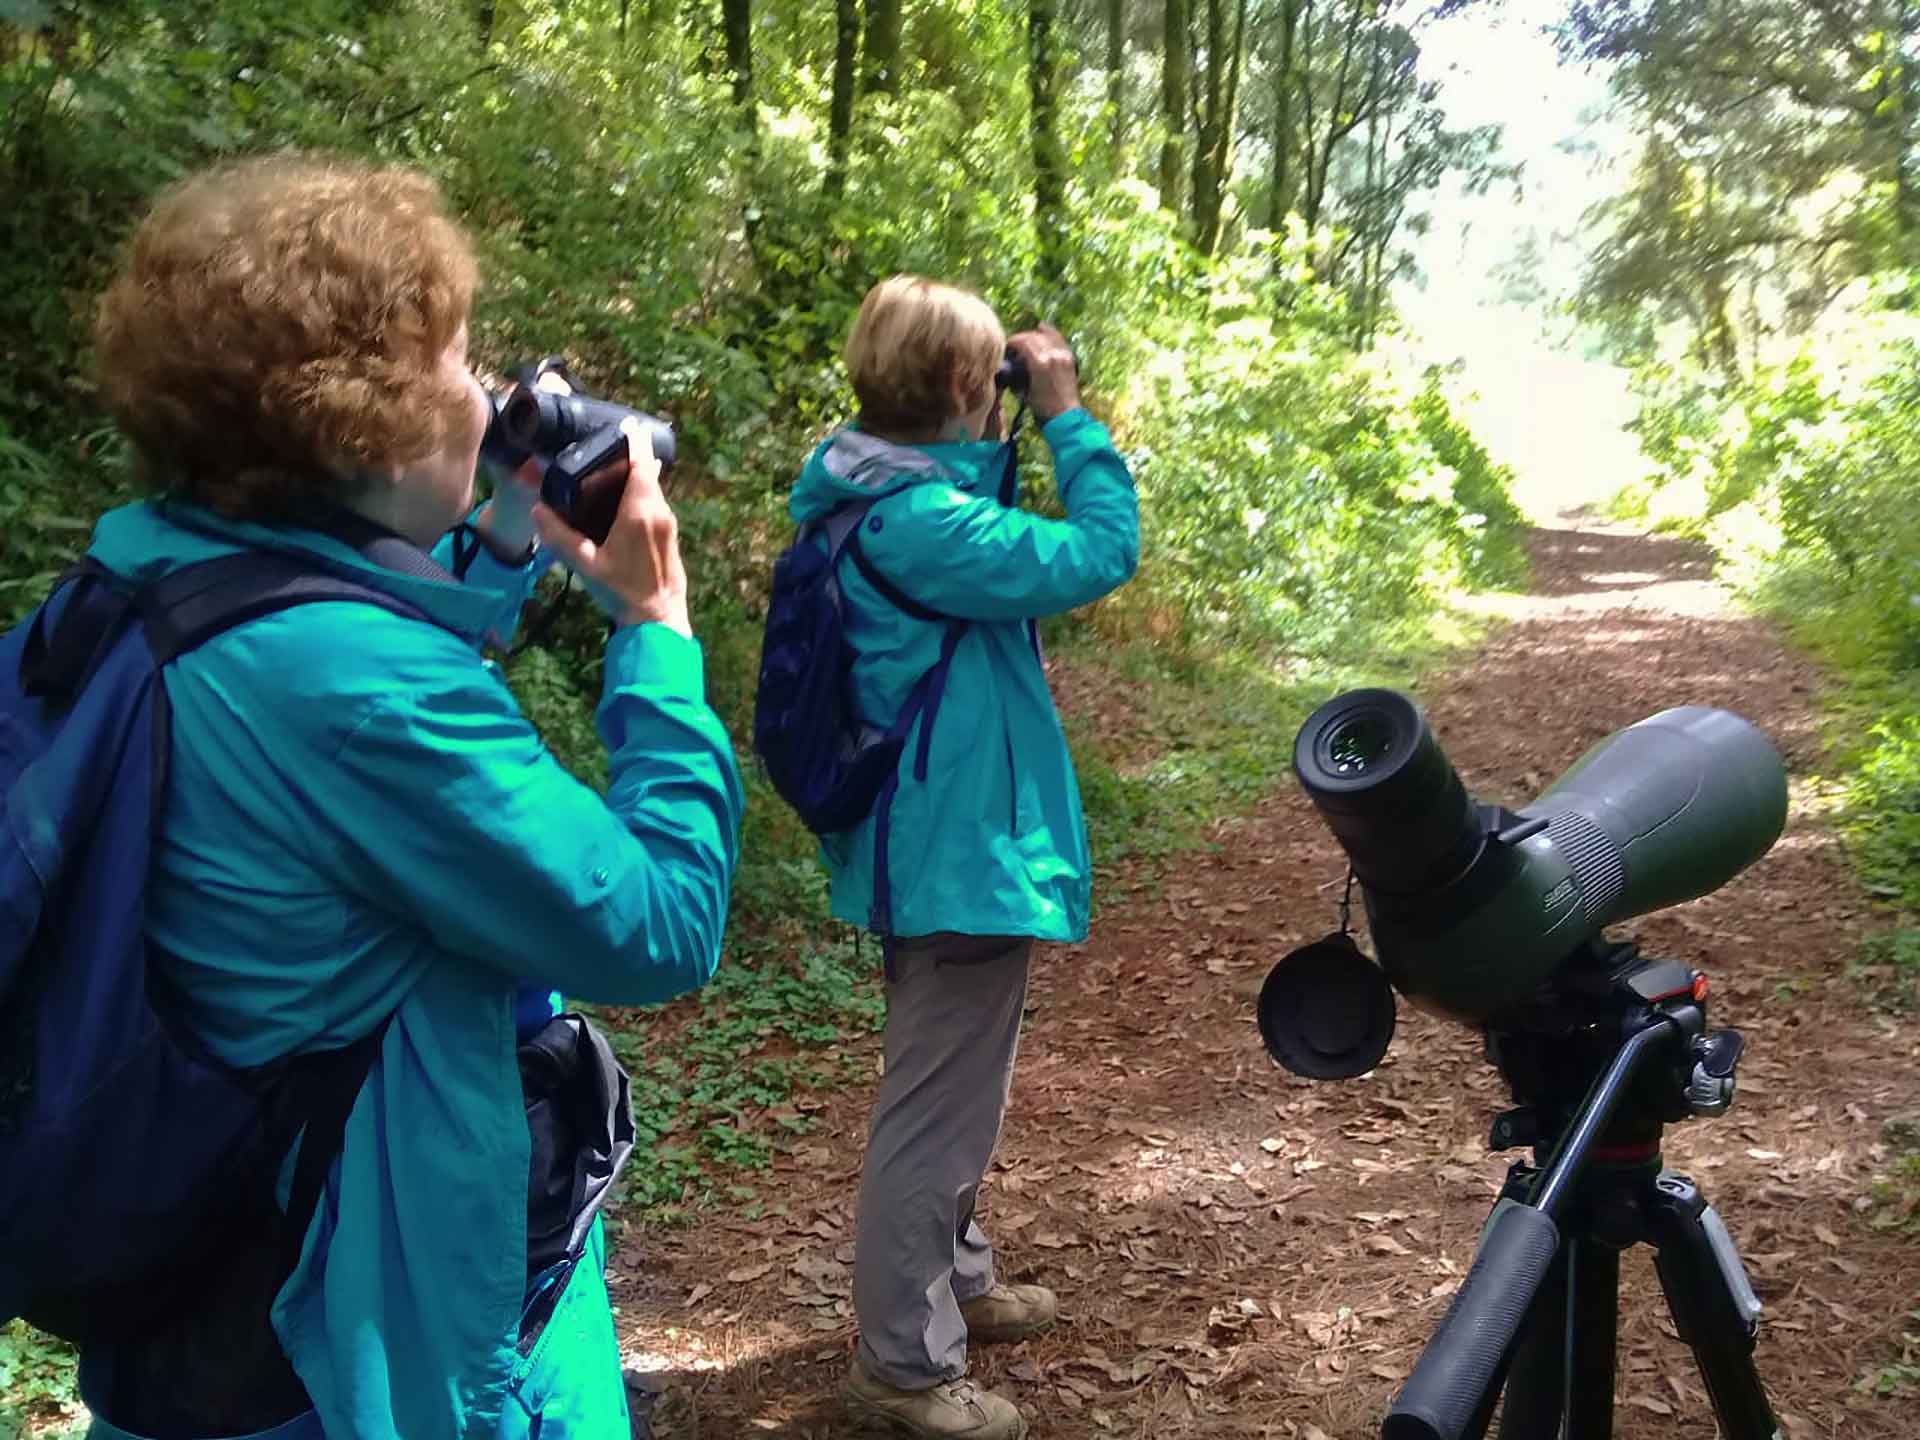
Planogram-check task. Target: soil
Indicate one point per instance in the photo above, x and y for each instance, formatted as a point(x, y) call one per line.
point(1241, 1253)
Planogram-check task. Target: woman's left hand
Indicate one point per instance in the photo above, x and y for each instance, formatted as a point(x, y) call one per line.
point(507, 519)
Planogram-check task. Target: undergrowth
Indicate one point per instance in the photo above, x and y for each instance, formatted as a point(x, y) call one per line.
point(37, 1393)
point(1872, 726)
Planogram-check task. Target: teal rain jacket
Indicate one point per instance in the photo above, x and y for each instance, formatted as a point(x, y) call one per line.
point(360, 822)
point(994, 842)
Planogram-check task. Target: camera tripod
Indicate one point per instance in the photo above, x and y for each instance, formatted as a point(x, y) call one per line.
point(1599, 1067)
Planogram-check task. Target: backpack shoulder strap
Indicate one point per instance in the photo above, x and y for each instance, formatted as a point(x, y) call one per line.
point(193, 604)
point(842, 529)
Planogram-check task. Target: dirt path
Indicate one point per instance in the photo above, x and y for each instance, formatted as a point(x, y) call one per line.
point(1243, 1254)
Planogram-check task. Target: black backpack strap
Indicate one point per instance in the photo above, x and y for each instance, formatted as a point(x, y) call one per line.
point(1010, 467)
point(316, 1094)
point(193, 604)
point(842, 529)
point(386, 548)
point(894, 594)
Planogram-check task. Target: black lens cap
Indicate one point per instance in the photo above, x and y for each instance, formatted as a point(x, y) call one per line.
point(1326, 1011)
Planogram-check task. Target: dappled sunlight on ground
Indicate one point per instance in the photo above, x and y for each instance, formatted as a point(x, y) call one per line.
point(1241, 1253)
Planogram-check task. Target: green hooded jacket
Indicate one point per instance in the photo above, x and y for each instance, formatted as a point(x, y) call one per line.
point(993, 843)
point(360, 822)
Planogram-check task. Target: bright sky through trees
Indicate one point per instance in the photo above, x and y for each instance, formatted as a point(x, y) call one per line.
point(1553, 416)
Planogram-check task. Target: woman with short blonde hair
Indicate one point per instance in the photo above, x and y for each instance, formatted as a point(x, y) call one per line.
point(979, 848)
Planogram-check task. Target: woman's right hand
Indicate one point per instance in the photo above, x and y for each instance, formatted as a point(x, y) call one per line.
point(1053, 378)
point(636, 572)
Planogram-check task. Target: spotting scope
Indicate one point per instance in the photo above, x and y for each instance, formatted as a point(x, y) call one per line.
point(1473, 907)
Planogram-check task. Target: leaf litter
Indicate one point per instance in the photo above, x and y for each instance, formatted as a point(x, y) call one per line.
point(1224, 1275)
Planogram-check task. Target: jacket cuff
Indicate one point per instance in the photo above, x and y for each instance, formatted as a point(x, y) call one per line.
point(1064, 424)
point(657, 657)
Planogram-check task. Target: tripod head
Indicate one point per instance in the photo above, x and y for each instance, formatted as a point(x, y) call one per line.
point(1600, 1063)
point(1553, 1049)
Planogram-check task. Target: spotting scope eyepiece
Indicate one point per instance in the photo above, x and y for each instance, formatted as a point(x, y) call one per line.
point(1474, 907)
point(1373, 767)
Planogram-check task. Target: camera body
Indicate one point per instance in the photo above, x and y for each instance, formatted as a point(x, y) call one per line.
point(579, 438)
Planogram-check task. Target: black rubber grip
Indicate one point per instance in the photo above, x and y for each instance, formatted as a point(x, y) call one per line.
point(1445, 1391)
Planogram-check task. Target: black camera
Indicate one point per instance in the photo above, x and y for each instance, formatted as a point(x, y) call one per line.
point(578, 436)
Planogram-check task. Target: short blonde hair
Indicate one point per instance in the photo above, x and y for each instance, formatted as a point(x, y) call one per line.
point(278, 325)
point(914, 337)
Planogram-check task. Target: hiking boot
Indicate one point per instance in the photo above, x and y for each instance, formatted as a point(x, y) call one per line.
point(952, 1410)
point(1008, 1312)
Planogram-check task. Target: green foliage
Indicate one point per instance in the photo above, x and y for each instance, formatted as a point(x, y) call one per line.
point(1269, 455)
point(1726, 442)
point(37, 1388)
point(1820, 460)
point(1489, 525)
point(1300, 498)
point(1776, 163)
point(1896, 1198)
point(1883, 801)
point(1900, 1376)
point(48, 498)
point(719, 1095)
point(1889, 965)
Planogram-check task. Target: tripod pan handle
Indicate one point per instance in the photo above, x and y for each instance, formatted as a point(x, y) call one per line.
point(1449, 1387)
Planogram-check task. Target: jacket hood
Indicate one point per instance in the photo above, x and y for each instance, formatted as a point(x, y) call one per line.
point(850, 464)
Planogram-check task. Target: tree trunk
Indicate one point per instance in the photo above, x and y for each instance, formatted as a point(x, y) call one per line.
point(882, 48)
point(1896, 113)
point(1213, 157)
point(1175, 70)
point(1279, 200)
point(1116, 78)
point(485, 17)
point(1049, 165)
point(1339, 123)
point(840, 121)
point(1373, 213)
point(1211, 87)
point(737, 19)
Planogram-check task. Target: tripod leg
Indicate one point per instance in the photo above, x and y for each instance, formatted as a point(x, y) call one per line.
point(1713, 1305)
point(1594, 1307)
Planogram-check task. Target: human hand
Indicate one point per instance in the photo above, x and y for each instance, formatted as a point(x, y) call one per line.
point(1053, 381)
point(506, 521)
point(635, 573)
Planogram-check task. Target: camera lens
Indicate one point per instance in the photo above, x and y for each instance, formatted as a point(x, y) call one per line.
point(1370, 763)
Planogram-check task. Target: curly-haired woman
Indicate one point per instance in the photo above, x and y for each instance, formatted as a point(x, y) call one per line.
point(362, 829)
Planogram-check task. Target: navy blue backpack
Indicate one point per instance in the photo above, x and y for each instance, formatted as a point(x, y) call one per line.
point(129, 1158)
point(832, 767)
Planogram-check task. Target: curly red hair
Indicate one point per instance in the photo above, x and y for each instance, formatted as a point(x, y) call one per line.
point(277, 331)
